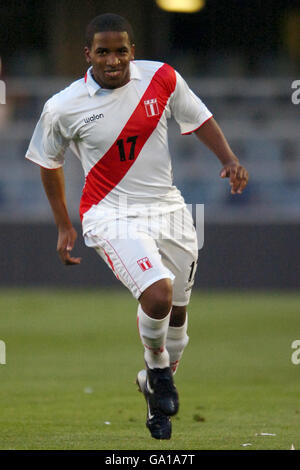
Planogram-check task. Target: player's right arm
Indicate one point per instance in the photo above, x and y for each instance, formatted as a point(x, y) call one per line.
point(47, 148)
point(54, 185)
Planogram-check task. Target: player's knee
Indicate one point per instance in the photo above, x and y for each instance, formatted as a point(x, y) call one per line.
point(156, 300)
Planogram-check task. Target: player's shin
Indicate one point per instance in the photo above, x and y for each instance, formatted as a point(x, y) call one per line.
point(153, 334)
point(177, 340)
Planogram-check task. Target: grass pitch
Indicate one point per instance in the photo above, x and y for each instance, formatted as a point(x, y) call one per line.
point(72, 358)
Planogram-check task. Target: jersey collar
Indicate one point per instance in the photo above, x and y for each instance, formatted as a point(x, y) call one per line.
point(93, 86)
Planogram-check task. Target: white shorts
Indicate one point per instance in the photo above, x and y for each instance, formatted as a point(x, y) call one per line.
point(141, 251)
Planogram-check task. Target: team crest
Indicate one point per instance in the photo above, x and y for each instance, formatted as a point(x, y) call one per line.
point(144, 264)
point(151, 107)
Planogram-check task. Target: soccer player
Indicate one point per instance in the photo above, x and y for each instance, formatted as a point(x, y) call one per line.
point(115, 121)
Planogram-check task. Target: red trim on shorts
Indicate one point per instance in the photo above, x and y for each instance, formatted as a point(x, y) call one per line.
point(188, 133)
point(85, 77)
point(107, 173)
point(121, 262)
point(111, 264)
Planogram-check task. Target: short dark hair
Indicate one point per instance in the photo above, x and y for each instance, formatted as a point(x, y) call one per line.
point(108, 22)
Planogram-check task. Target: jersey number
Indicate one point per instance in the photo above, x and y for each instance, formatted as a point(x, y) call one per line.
point(120, 144)
point(192, 272)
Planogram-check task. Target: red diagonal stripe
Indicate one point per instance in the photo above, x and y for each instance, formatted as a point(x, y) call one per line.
point(109, 170)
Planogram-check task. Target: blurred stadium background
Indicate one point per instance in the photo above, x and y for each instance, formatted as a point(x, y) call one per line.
point(71, 351)
point(240, 57)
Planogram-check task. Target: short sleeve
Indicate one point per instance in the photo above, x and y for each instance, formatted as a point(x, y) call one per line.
point(48, 145)
point(187, 109)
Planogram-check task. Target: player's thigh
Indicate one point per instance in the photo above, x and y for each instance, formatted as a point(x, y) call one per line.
point(136, 262)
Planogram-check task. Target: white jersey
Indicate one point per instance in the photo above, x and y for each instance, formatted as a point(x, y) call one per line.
point(120, 137)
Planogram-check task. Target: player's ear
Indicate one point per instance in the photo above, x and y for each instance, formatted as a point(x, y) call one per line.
point(132, 51)
point(87, 54)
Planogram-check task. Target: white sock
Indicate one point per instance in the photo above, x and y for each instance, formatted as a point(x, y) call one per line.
point(177, 340)
point(153, 335)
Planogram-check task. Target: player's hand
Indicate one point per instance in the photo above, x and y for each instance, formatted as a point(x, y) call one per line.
point(65, 244)
point(238, 176)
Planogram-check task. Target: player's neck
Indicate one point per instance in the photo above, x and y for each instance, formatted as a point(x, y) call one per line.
point(93, 77)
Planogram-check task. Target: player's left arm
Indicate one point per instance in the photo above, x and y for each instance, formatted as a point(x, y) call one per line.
point(212, 136)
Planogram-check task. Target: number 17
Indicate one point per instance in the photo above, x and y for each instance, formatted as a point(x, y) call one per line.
point(120, 144)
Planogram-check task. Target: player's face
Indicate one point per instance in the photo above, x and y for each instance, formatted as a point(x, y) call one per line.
point(110, 55)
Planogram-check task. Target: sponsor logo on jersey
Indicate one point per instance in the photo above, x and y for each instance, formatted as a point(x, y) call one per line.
point(151, 107)
point(94, 117)
point(144, 264)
